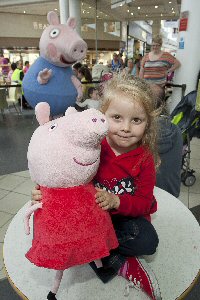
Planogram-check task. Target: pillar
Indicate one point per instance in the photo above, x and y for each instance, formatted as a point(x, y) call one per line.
point(156, 26)
point(75, 11)
point(188, 52)
point(64, 11)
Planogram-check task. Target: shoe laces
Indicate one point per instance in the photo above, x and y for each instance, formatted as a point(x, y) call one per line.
point(133, 283)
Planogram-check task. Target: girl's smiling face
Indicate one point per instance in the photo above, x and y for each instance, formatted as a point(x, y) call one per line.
point(127, 122)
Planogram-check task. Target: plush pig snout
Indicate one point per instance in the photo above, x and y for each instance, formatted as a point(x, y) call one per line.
point(99, 131)
point(78, 50)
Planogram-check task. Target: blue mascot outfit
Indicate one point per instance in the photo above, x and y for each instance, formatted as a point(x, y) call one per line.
point(50, 79)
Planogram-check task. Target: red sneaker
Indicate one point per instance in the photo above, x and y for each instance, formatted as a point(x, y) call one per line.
point(141, 277)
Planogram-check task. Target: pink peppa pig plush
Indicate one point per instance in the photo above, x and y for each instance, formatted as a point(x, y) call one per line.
point(63, 157)
point(50, 78)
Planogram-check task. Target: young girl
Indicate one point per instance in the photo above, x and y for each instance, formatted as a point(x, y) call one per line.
point(126, 179)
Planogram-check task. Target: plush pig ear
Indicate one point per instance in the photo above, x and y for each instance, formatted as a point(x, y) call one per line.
point(53, 18)
point(71, 22)
point(70, 111)
point(42, 112)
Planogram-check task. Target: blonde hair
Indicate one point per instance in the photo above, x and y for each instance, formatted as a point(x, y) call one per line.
point(157, 39)
point(136, 89)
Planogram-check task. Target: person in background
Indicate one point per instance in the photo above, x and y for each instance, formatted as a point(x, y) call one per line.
point(131, 68)
point(121, 60)
point(170, 147)
point(13, 66)
point(27, 66)
point(125, 181)
point(5, 66)
point(18, 73)
point(115, 63)
point(157, 64)
point(93, 100)
point(76, 67)
point(17, 77)
point(86, 79)
point(139, 60)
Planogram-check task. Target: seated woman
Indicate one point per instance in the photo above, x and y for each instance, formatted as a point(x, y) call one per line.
point(132, 68)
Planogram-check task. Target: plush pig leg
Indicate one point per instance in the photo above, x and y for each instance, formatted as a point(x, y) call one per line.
point(78, 87)
point(57, 281)
point(28, 214)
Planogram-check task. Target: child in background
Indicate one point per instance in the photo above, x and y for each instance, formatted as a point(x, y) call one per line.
point(125, 181)
point(13, 67)
point(93, 101)
point(27, 66)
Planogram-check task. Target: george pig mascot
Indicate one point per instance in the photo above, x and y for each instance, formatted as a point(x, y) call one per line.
point(69, 227)
point(50, 78)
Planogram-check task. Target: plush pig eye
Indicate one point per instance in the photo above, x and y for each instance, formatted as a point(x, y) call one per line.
point(54, 33)
point(53, 126)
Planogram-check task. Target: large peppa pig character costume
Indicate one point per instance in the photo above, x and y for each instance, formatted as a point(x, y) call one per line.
point(50, 78)
point(63, 157)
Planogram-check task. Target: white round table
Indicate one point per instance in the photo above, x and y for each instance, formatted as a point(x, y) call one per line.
point(176, 262)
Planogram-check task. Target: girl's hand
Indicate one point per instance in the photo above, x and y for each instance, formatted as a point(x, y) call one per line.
point(107, 201)
point(36, 195)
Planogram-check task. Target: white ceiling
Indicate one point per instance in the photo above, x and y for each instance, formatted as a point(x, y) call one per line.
point(127, 12)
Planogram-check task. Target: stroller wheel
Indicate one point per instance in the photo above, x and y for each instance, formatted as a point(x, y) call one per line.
point(188, 179)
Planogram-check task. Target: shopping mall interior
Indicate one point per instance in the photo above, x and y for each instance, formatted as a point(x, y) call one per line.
point(126, 28)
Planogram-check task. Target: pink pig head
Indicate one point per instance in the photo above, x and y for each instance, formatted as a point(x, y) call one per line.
point(66, 152)
point(60, 44)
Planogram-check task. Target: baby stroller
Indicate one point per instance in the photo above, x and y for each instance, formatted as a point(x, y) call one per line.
point(188, 119)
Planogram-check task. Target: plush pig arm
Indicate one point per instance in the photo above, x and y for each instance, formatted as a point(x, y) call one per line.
point(78, 87)
point(28, 214)
point(44, 76)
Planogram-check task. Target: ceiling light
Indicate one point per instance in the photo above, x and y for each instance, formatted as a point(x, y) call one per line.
point(161, 15)
point(83, 11)
point(146, 15)
point(127, 10)
point(170, 2)
point(156, 6)
point(121, 4)
point(172, 8)
point(24, 11)
point(173, 12)
point(55, 9)
point(138, 7)
point(90, 7)
point(132, 14)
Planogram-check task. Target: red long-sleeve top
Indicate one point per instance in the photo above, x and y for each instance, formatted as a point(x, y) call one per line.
point(132, 177)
